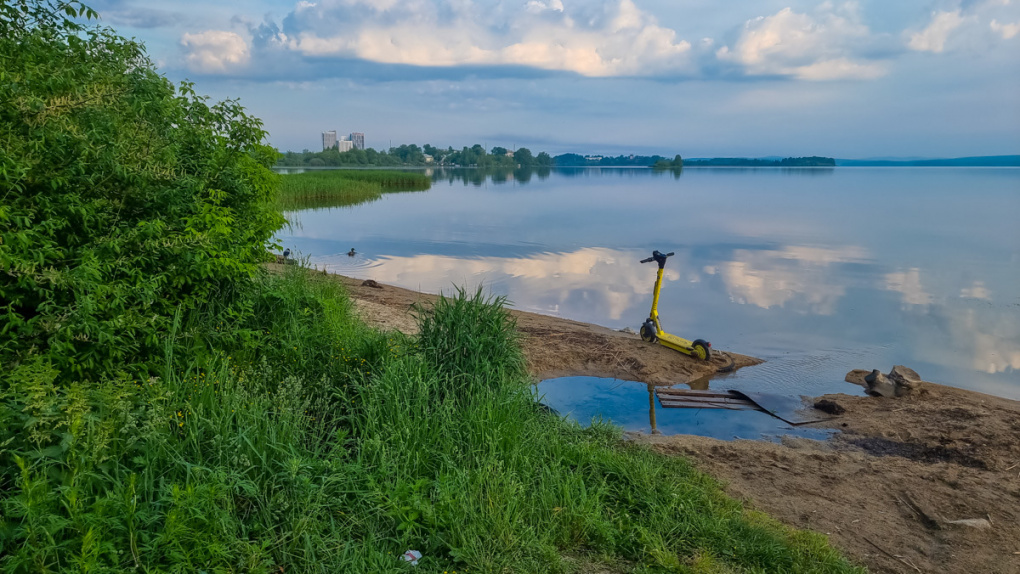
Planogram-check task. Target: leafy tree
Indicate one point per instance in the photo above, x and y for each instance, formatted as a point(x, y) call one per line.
point(543, 160)
point(122, 198)
point(408, 154)
point(523, 157)
point(499, 151)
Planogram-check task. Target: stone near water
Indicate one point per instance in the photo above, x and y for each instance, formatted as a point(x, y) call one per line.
point(371, 283)
point(904, 373)
point(906, 380)
point(856, 377)
point(901, 381)
point(879, 385)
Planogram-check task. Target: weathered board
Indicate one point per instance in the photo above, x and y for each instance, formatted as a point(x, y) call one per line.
point(785, 408)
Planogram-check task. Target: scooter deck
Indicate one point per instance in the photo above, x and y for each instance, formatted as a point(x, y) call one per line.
point(674, 342)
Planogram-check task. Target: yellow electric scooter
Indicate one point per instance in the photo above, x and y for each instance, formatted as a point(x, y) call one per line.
point(652, 331)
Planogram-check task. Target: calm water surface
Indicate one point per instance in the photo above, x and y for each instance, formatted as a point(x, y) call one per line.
point(818, 271)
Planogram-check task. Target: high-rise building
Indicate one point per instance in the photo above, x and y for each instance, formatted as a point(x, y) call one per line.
point(358, 139)
point(328, 140)
point(344, 145)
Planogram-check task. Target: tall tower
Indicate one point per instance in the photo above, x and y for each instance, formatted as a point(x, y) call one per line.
point(359, 140)
point(328, 140)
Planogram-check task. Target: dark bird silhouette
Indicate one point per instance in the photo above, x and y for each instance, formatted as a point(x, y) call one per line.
point(286, 253)
point(351, 253)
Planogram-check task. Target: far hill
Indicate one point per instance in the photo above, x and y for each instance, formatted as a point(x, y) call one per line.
point(977, 161)
point(813, 161)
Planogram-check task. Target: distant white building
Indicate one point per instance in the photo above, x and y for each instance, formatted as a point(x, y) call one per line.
point(328, 140)
point(359, 140)
point(428, 158)
point(343, 143)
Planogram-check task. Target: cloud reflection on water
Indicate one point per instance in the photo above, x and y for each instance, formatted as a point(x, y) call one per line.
point(908, 283)
point(568, 284)
point(960, 328)
point(799, 274)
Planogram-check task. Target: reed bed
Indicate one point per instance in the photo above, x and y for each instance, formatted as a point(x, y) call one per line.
point(340, 188)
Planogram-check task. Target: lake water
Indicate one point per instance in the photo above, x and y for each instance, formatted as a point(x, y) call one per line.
point(818, 271)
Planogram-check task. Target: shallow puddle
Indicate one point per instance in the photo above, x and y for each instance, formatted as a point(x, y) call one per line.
point(634, 407)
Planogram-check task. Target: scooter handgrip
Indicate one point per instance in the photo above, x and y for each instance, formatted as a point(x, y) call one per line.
point(649, 260)
point(670, 254)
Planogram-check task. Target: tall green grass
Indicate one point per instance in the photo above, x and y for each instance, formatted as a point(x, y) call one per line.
point(295, 438)
point(340, 188)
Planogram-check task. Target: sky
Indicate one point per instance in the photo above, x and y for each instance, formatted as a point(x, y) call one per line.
point(702, 78)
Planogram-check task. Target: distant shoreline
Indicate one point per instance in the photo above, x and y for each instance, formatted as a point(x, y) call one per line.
point(279, 168)
point(977, 161)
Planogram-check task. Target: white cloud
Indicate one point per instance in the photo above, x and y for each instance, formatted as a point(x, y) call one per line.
point(908, 283)
point(976, 291)
point(215, 51)
point(933, 37)
point(819, 46)
point(971, 25)
point(1007, 31)
point(615, 39)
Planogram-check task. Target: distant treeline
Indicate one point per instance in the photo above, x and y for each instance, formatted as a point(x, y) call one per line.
point(813, 161)
point(412, 155)
point(576, 160)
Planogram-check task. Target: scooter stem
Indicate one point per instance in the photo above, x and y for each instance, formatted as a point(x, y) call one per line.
point(654, 314)
point(659, 258)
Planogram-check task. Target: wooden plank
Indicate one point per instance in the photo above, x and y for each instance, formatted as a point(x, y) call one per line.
point(784, 408)
point(702, 399)
point(693, 393)
point(704, 405)
point(726, 401)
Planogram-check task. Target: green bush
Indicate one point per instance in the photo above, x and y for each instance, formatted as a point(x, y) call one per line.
point(123, 198)
point(470, 340)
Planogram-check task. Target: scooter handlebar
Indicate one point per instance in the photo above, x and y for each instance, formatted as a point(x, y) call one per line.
point(659, 257)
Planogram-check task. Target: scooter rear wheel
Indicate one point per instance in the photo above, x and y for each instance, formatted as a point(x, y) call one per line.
point(648, 334)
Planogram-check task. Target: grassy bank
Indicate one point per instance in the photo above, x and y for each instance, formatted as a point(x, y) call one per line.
point(300, 439)
point(337, 188)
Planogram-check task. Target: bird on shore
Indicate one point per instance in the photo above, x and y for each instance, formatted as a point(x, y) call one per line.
point(351, 253)
point(286, 253)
